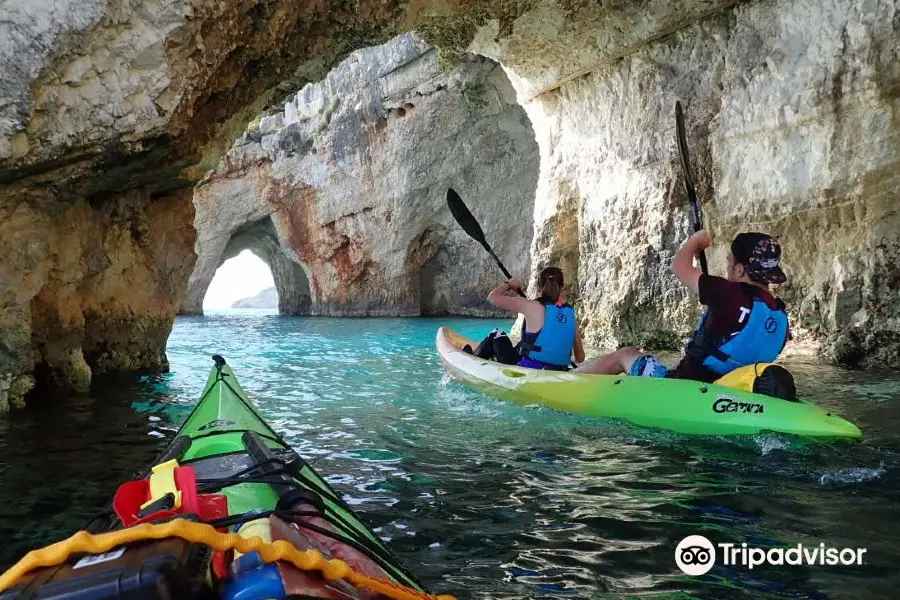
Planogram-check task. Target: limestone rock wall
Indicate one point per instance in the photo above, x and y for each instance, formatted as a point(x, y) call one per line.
point(112, 94)
point(112, 103)
point(86, 289)
point(793, 116)
point(348, 186)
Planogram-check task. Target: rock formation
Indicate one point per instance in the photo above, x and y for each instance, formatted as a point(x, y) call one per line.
point(268, 298)
point(109, 111)
point(87, 287)
point(344, 192)
point(793, 115)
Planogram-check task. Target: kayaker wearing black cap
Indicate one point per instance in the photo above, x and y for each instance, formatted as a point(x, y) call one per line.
point(743, 324)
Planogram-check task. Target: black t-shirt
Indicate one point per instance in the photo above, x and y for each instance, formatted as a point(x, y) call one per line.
point(729, 304)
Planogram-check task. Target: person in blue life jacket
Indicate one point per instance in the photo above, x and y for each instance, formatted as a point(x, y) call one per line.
point(550, 333)
point(743, 324)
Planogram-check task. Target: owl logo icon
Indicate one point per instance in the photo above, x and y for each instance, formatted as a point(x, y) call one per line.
point(695, 555)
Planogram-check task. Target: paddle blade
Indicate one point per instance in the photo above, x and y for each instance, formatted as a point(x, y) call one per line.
point(464, 217)
point(461, 213)
point(683, 153)
point(696, 216)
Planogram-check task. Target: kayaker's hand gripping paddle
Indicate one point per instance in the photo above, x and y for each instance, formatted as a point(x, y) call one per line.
point(464, 217)
point(696, 216)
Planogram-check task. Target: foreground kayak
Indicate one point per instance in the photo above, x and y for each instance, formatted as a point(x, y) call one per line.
point(676, 404)
point(234, 473)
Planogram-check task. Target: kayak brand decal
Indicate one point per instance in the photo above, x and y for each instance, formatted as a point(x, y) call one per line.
point(724, 404)
point(216, 423)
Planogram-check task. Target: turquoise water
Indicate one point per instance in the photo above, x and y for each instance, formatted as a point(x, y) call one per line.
point(485, 499)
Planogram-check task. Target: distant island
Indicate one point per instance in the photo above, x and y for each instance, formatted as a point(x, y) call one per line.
point(268, 298)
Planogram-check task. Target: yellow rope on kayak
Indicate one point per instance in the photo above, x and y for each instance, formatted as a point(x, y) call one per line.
point(307, 560)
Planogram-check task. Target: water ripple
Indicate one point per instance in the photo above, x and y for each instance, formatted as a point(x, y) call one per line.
point(486, 499)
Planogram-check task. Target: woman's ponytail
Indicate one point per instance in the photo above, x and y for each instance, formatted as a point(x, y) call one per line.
point(550, 284)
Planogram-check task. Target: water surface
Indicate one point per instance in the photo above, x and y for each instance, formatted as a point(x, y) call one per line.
point(486, 499)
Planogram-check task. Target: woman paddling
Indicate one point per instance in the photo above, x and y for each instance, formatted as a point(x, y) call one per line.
point(550, 333)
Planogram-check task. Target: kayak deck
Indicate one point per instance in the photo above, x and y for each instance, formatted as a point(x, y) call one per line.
point(679, 405)
point(228, 435)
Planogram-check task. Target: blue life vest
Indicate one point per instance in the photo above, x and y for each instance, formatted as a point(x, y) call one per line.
point(761, 340)
point(553, 344)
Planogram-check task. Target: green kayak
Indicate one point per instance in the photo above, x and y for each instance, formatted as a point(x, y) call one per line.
point(232, 456)
point(676, 404)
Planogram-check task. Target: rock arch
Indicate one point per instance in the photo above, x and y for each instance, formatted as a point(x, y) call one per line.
point(260, 237)
point(351, 187)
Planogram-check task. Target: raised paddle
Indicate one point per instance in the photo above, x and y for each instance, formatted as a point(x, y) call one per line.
point(696, 215)
point(464, 217)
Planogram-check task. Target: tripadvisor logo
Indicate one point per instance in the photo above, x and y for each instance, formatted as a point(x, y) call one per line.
point(696, 555)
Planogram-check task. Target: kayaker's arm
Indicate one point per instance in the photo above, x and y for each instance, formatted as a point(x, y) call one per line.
point(579, 347)
point(498, 296)
point(683, 264)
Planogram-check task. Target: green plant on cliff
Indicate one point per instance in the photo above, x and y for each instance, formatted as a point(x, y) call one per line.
point(327, 114)
point(451, 35)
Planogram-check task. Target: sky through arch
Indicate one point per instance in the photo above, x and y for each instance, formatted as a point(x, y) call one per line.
point(240, 277)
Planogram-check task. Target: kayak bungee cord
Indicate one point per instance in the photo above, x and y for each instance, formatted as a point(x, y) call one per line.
point(350, 536)
point(376, 552)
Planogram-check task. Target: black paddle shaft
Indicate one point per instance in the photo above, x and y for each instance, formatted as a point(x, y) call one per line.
point(696, 216)
point(466, 220)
